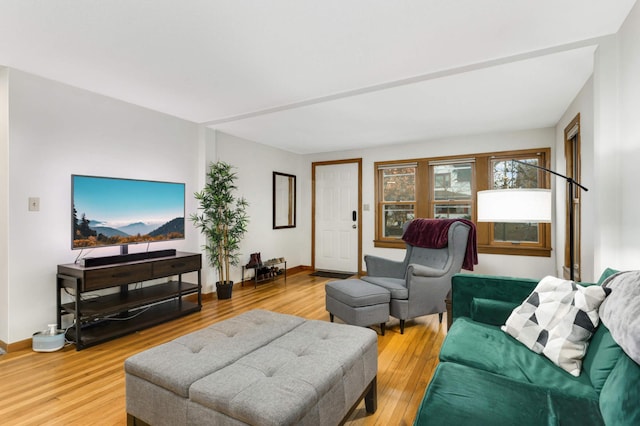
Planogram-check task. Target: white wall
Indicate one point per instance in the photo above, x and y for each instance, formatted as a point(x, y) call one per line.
point(206, 155)
point(629, 75)
point(606, 140)
point(4, 210)
point(254, 165)
point(616, 150)
point(519, 266)
point(583, 104)
point(55, 131)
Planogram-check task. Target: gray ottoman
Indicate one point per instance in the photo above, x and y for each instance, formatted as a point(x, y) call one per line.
point(258, 368)
point(358, 303)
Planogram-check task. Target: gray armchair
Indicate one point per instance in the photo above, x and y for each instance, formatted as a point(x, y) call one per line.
point(420, 283)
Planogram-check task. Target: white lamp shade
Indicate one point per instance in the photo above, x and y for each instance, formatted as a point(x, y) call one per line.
point(515, 205)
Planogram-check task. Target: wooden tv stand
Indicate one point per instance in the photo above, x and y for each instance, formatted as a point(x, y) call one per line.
point(106, 316)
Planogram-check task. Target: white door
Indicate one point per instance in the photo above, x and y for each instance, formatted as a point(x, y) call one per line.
point(336, 221)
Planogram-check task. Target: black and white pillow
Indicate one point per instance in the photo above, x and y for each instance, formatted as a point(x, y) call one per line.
point(558, 319)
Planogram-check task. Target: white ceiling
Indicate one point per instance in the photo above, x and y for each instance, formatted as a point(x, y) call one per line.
point(310, 76)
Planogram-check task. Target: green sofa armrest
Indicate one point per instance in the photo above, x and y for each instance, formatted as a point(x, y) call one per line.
point(471, 291)
point(491, 311)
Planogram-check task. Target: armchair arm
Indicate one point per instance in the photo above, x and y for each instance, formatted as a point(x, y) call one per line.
point(428, 288)
point(468, 290)
point(381, 267)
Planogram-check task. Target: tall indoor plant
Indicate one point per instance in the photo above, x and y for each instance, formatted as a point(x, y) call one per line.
point(223, 221)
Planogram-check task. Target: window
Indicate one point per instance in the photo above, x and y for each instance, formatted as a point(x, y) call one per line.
point(446, 188)
point(451, 193)
point(398, 198)
point(507, 174)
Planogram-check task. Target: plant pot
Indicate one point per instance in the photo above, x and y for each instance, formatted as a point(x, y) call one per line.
point(223, 290)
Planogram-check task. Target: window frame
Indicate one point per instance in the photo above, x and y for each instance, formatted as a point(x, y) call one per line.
point(481, 173)
point(381, 203)
point(433, 201)
point(498, 247)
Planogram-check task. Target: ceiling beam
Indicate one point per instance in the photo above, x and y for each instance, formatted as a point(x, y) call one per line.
point(412, 80)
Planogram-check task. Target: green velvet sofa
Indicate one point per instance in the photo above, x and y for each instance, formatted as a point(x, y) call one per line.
point(486, 377)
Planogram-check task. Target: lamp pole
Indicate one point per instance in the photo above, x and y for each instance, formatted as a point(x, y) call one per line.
point(571, 183)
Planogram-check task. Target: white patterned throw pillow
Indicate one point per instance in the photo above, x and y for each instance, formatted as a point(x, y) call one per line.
point(558, 319)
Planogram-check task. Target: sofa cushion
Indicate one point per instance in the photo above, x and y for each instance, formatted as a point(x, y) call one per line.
point(460, 395)
point(487, 348)
point(606, 274)
point(620, 396)
point(557, 320)
point(602, 356)
point(397, 287)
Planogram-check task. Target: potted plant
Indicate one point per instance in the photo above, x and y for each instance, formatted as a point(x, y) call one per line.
point(223, 221)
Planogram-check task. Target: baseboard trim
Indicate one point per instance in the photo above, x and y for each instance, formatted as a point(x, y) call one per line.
point(194, 297)
point(298, 269)
point(27, 343)
point(16, 346)
point(290, 271)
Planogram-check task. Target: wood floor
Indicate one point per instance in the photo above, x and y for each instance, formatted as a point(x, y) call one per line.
point(87, 387)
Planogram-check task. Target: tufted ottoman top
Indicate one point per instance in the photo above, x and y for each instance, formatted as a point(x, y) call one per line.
point(176, 365)
point(357, 293)
point(283, 382)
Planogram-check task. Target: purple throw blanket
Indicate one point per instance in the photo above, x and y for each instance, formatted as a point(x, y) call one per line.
point(434, 233)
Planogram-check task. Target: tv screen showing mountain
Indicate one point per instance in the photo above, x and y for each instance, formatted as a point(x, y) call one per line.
point(109, 211)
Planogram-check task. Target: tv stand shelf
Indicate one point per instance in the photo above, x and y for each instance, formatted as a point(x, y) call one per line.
point(108, 316)
point(118, 302)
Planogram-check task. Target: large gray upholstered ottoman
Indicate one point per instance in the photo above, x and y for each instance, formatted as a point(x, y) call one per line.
point(357, 302)
point(259, 368)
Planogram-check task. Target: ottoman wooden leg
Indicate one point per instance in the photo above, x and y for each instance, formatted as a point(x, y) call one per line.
point(330, 317)
point(371, 397)
point(134, 421)
point(382, 326)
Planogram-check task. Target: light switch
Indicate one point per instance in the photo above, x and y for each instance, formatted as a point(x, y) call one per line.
point(34, 204)
point(365, 207)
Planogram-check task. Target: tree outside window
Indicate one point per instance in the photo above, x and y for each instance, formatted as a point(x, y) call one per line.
point(398, 199)
point(507, 174)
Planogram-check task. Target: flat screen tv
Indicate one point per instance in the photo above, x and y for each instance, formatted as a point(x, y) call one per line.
point(109, 211)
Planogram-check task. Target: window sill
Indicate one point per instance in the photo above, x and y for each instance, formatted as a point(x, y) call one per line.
point(484, 249)
point(515, 250)
point(399, 244)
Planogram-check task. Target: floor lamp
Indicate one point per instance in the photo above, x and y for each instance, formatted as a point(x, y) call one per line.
point(527, 205)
